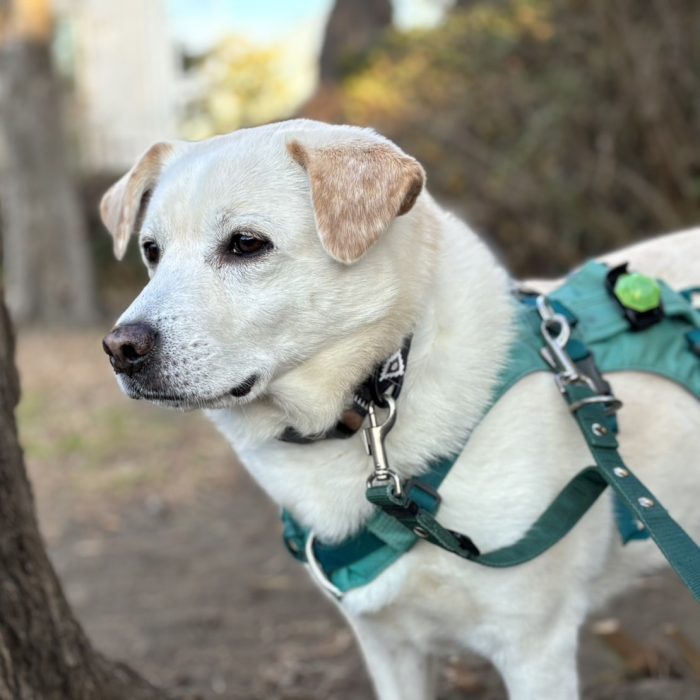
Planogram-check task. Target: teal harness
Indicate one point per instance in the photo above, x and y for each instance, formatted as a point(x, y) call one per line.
point(597, 326)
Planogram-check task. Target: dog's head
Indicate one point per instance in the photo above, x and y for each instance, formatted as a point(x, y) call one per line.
point(263, 248)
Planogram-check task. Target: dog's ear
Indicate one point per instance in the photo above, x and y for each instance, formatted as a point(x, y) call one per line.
point(357, 189)
point(124, 204)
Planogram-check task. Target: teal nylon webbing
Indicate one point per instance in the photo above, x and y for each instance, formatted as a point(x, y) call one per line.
point(675, 544)
point(601, 329)
point(569, 506)
point(555, 522)
point(585, 302)
point(361, 558)
point(661, 349)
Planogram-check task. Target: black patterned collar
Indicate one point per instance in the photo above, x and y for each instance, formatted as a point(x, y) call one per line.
point(385, 380)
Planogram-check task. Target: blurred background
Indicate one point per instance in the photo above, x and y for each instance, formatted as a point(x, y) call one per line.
point(557, 128)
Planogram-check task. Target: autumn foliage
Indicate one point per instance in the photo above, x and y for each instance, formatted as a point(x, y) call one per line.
point(559, 128)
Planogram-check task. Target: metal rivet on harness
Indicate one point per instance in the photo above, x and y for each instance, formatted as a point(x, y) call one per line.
point(599, 430)
point(645, 502)
point(420, 532)
point(621, 472)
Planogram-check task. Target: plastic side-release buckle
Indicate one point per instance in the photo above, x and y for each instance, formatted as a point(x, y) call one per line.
point(637, 295)
point(423, 495)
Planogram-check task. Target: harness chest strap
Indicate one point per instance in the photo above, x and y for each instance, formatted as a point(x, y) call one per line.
point(556, 521)
point(407, 515)
point(568, 507)
point(591, 411)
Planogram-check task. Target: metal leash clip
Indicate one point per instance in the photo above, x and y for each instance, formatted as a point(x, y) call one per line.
point(556, 332)
point(374, 435)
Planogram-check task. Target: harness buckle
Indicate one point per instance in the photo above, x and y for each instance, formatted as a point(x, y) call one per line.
point(422, 494)
point(611, 403)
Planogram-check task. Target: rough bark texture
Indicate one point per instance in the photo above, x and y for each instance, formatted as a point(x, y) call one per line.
point(44, 653)
point(47, 264)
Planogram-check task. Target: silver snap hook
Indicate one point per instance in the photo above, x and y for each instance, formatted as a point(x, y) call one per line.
point(374, 435)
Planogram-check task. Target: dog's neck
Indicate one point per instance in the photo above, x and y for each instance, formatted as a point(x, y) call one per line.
point(462, 328)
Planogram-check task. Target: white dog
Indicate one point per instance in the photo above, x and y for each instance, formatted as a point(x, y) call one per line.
point(285, 262)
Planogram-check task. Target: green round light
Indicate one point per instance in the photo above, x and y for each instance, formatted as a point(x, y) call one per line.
point(638, 292)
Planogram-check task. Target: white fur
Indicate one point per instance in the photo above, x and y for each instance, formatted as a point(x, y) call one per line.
point(312, 328)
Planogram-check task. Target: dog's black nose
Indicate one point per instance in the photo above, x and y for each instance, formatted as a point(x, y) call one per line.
point(129, 345)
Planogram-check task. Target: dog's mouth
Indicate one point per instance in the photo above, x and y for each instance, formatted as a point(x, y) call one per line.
point(188, 400)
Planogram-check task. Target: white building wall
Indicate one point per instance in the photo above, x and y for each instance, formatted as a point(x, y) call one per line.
point(125, 73)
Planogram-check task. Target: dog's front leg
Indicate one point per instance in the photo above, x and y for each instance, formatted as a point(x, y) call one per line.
point(536, 666)
point(398, 669)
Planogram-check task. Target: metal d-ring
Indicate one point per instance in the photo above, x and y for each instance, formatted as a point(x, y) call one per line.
point(317, 571)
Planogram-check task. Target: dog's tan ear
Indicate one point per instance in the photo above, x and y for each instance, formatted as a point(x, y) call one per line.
point(357, 190)
point(124, 204)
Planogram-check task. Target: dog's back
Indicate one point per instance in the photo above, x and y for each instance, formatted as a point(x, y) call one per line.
point(674, 258)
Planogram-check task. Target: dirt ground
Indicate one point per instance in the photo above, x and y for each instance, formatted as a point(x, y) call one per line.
point(172, 559)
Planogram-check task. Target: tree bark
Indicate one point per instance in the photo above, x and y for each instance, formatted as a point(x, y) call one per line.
point(353, 27)
point(44, 652)
point(47, 263)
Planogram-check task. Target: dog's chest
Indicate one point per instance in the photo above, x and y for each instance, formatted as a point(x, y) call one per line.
point(322, 485)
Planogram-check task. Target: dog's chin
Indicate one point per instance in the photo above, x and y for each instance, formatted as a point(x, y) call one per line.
point(170, 397)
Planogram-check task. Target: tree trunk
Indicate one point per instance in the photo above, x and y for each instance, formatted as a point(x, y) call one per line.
point(47, 264)
point(44, 653)
point(353, 27)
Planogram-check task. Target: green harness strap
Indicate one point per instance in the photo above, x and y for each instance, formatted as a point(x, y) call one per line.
point(403, 519)
point(568, 507)
point(675, 544)
point(563, 513)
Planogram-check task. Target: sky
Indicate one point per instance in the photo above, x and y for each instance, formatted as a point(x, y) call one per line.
point(198, 23)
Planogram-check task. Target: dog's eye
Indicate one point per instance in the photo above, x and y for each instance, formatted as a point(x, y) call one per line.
point(151, 252)
point(243, 244)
